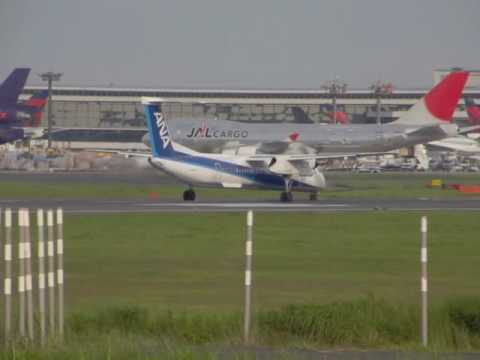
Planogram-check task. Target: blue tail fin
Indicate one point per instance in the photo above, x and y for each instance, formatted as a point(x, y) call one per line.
point(160, 139)
point(13, 86)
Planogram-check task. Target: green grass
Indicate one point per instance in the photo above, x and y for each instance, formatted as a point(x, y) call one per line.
point(114, 345)
point(396, 185)
point(366, 323)
point(195, 261)
point(340, 185)
point(140, 285)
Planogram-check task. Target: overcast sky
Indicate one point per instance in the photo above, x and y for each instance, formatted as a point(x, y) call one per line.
point(239, 44)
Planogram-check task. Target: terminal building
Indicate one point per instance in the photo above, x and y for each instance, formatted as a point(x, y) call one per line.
point(87, 109)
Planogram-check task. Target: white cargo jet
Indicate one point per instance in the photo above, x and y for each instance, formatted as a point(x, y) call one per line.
point(428, 120)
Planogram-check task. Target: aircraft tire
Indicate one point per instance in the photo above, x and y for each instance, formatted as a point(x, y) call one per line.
point(286, 196)
point(189, 195)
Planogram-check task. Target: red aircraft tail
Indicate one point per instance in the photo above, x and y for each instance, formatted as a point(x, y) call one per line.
point(36, 104)
point(439, 104)
point(473, 111)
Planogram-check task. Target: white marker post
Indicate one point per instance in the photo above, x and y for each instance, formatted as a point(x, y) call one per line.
point(7, 285)
point(424, 281)
point(248, 277)
point(60, 271)
point(21, 273)
point(28, 272)
point(51, 273)
point(41, 274)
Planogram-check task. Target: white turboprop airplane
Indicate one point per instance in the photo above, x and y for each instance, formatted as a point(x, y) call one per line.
point(276, 172)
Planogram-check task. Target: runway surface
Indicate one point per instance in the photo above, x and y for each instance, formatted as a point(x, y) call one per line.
point(148, 177)
point(94, 206)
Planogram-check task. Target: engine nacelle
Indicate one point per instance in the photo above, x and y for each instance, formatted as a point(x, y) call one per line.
point(280, 166)
point(317, 179)
point(285, 166)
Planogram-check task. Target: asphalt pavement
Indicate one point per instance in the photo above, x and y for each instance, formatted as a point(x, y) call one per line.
point(96, 206)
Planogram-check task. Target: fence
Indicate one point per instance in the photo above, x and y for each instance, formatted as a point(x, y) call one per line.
point(249, 275)
point(30, 285)
point(50, 276)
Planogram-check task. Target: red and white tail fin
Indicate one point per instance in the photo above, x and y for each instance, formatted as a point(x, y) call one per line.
point(439, 104)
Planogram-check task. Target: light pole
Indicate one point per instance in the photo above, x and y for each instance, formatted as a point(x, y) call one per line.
point(334, 88)
point(380, 89)
point(50, 77)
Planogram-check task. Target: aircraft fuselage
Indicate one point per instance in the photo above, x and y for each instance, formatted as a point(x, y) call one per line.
point(217, 135)
point(231, 172)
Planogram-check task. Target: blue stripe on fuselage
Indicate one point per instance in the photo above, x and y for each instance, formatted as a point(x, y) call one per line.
point(262, 177)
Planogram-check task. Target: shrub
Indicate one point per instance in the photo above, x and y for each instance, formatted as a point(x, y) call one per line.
point(465, 313)
point(364, 322)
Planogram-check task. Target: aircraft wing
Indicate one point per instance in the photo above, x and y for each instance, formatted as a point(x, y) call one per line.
point(318, 156)
point(459, 143)
point(125, 154)
point(260, 161)
point(433, 132)
point(336, 156)
point(302, 165)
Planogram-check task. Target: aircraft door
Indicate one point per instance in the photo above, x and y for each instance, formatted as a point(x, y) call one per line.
point(218, 177)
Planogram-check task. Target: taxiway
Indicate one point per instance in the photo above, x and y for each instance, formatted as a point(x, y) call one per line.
point(95, 206)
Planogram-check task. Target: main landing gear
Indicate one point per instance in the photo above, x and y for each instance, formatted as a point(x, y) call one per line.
point(189, 195)
point(313, 196)
point(286, 196)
